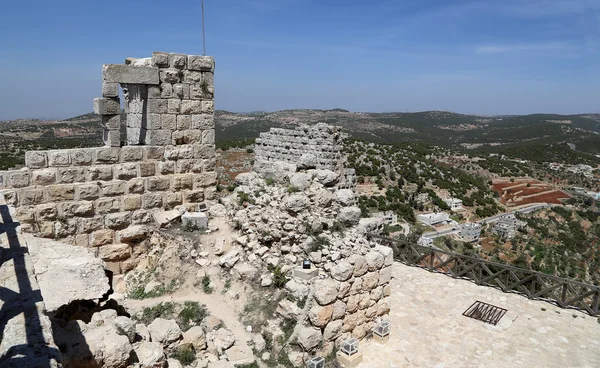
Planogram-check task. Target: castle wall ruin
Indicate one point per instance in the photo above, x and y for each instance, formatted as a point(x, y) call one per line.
point(91, 196)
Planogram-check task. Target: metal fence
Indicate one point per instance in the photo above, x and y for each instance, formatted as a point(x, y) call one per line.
point(535, 285)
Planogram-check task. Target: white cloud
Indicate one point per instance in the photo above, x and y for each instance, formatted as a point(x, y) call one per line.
point(533, 47)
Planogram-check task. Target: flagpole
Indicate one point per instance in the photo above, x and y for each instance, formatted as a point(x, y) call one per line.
point(203, 38)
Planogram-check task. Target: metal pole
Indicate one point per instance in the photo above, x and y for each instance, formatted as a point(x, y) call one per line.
point(203, 38)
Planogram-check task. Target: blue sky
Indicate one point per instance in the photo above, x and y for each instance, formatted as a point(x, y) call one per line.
point(485, 56)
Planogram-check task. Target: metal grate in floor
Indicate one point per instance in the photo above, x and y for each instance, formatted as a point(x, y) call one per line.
point(485, 312)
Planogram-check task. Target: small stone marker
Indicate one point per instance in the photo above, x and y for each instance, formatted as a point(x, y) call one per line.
point(194, 221)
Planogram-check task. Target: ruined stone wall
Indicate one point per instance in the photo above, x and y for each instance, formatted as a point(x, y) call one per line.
point(95, 196)
point(319, 146)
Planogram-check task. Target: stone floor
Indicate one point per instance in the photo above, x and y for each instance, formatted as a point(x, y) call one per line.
point(429, 330)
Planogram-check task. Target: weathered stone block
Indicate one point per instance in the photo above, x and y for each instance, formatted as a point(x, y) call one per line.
point(117, 221)
point(134, 120)
point(71, 174)
point(192, 136)
point(46, 212)
point(88, 225)
point(174, 106)
point(177, 61)
point(179, 152)
point(125, 171)
point(194, 221)
point(136, 186)
point(154, 153)
point(107, 106)
point(111, 138)
point(210, 193)
point(184, 166)
point(110, 89)
point(64, 192)
point(203, 121)
point(147, 168)
point(59, 158)
point(158, 183)
point(64, 228)
point(201, 63)
point(166, 90)
point(82, 240)
point(208, 136)
point(169, 121)
point(127, 74)
point(158, 137)
point(154, 92)
point(181, 91)
point(81, 208)
point(157, 106)
point(205, 179)
point(43, 176)
point(36, 159)
point(170, 76)
point(87, 191)
point(152, 200)
point(81, 157)
point(107, 205)
point(184, 122)
point(385, 275)
point(141, 217)
point(166, 167)
point(113, 188)
point(171, 200)
point(114, 252)
point(30, 197)
point(106, 155)
point(160, 59)
point(191, 107)
point(135, 136)
point(196, 92)
point(202, 151)
point(100, 173)
point(26, 214)
point(194, 196)
point(102, 237)
point(185, 181)
point(207, 107)
point(153, 121)
point(132, 202)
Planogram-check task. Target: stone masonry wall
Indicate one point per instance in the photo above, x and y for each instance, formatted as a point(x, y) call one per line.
point(104, 197)
point(319, 146)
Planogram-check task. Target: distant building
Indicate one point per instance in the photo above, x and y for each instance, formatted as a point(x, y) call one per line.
point(455, 204)
point(425, 241)
point(470, 232)
point(388, 217)
point(422, 198)
point(434, 218)
point(506, 226)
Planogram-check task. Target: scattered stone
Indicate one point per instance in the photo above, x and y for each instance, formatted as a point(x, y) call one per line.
point(164, 331)
point(192, 221)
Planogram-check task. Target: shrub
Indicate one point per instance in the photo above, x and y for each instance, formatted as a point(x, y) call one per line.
point(185, 354)
point(206, 284)
point(279, 278)
point(149, 314)
point(191, 315)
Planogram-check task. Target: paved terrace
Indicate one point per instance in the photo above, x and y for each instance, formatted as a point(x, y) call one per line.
point(429, 330)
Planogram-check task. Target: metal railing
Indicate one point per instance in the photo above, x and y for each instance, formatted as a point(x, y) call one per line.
point(535, 285)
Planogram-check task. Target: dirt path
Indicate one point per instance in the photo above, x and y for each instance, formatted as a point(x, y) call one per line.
point(215, 304)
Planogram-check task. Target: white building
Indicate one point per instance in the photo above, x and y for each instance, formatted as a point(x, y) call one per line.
point(455, 204)
point(470, 232)
point(434, 218)
point(506, 226)
point(425, 241)
point(388, 217)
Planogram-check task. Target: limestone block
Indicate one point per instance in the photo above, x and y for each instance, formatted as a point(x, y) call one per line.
point(383, 306)
point(184, 166)
point(158, 183)
point(158, 137)
point(111, 138)
point(133, 234)
point(154, 92)
point(325, 291)
point(157, 106)
point(127, 74)
point(82, 240)
point(45, 229)
point(102, 237)
point(87, 191)
point(193, 196)
point(195, 92)
point(387, 290)
point(64, 192)
point(194, 220)
point(360, 264)
point(370, 280)
point(184, 122)
point(153, 121)
point(151, 200)
point(351, 321)
point(30, 197)
point(207, 107)
point(134, 120)
point(107, 106)
point(166, 90)
point(309, 338)
point(87, 225)
point(43, 177)
point(113, 188)
point(132, 202)
point(166, 167)
point(191, 107)
point(210, 193)
point(320, 316)
point(118, 221)
point(208, 136)
point(59, 158)
point(170, 76)
point(80, 208)
point(165, 218)
point(375, 260)
point(141, 217)
point(387, 253)
point(104, 173)
point(181, 91)
point(36, 159)
point(135, 136)
point(333, 330)
point(174, 106)
point(179, 152)
point(357, 286)
point(385, 275)
point(107, 205)
point(114, 252)
point(110, 89)
point(339, 310)
point(132, 153)
point(106, 155)
point(183, 181)
point(377, 293)
point(25, 214)
point(203, 121)
point(147, 168)
point(125, 171)
point(352, 304)
point(71, 174)
point(81, 157)
point(160, 59)
point(201, 63)
point(136, 186)
point(64, 228)
point(168, 121)
point(342, 271)
point(172, 200)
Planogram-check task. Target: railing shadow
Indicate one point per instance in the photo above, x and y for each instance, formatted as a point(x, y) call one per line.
point(34, 350)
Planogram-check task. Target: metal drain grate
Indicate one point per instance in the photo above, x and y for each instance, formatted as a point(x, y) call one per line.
point(485, 312)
